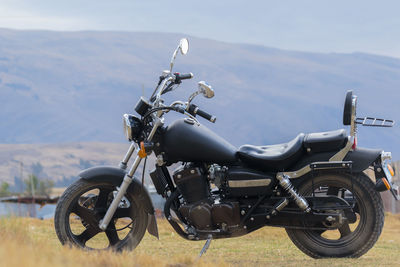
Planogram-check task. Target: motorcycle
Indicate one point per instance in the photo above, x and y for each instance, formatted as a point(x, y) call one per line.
point(313, 186)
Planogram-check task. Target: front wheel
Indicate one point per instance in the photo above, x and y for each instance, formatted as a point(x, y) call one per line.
point(349, 239)
point(84, 204)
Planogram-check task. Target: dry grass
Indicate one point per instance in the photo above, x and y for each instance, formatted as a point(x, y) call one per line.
point(31, 242)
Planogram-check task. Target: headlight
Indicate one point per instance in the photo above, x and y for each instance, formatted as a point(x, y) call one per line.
point(132, 127)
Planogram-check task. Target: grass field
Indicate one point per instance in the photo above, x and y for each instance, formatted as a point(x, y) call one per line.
point(32, 242)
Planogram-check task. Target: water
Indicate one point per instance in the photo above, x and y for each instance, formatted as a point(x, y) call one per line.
point(27, 210)
point(47, 211)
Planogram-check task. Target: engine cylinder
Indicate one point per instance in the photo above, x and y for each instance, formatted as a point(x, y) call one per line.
point(192, 184)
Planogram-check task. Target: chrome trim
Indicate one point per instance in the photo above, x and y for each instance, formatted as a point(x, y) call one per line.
point(343, 152)
point(163, 84)
point(295, 174)
point(306, 169)
point(385, 158)
point(206, 89)
point(301, 202)
point(126, 182)
point(158, 122)
point(249, 183)
point(160, 160)
point(127, 157)
point(353, 125)
point(192, 96)
point(127, 127)
point(117, 199)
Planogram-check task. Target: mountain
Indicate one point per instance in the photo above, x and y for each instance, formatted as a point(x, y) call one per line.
point(58, 87)
point(58, 162)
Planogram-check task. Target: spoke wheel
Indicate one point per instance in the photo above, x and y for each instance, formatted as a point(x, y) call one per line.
point(353, 236)
point(84, 204)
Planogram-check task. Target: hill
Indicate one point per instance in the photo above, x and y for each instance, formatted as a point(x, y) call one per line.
point(58, 162)
point(74, 86)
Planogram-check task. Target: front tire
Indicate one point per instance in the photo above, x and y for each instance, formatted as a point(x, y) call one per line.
point(80, 209)
point(350, 240)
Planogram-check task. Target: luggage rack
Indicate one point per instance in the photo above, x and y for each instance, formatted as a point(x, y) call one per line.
point(369, 121)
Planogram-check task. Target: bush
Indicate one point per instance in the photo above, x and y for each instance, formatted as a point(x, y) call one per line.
point(36, 186)
point(4, 189)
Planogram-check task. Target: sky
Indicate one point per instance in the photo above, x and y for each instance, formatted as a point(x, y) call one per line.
point(304, 25)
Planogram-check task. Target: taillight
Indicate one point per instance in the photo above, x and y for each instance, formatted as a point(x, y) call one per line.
point(354, 146)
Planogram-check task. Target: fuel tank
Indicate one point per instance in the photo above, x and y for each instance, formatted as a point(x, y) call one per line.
point(185, 140)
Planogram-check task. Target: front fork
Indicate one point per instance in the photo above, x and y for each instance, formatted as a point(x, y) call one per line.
point(128, 177)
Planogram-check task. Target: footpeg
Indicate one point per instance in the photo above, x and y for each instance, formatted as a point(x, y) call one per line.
point(287, 185)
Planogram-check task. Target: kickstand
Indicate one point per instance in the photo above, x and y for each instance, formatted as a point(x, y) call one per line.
point(206, 245)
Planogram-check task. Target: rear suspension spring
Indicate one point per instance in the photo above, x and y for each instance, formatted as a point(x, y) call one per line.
point(287, 185)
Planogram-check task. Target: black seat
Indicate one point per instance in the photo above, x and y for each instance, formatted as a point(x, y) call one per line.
point(283, 156)
point(325, 141)
point(274, 157)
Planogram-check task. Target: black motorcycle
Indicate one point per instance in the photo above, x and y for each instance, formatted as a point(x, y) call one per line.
point(313, 186)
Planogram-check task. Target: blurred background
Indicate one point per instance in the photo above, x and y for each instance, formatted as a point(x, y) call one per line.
point(70, 69)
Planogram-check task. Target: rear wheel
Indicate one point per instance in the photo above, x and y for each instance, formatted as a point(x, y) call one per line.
point(84, 204)
point(349, 239)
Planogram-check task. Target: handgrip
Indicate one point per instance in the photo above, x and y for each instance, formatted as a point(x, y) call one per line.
point(179, 77)
point(194, 110)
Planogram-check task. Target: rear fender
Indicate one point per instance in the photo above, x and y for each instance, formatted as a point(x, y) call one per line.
point(362, 158)
point(115, 176)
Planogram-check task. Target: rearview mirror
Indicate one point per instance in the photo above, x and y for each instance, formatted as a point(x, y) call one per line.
point(183, 47)
point(206, 89)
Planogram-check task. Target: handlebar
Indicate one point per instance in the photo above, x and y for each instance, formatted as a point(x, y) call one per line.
point(179, 77)
point(194, 110)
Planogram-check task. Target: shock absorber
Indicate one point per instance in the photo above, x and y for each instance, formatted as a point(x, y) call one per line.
point(287, 185)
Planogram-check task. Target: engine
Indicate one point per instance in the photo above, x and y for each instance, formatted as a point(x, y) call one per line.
point(221, 210)
point(201, 209)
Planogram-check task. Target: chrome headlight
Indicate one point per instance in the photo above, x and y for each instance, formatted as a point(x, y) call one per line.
point(132, 127)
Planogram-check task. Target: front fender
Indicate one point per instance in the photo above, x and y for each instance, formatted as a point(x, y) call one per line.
point(362, 158)
point(115, 176)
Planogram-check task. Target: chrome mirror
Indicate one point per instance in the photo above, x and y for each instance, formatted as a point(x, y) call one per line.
point(206, 89)
point(183, 47)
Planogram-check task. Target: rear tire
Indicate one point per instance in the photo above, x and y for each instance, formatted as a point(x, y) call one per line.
point(369, 211)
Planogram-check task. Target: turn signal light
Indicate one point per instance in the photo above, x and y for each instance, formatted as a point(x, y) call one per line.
point(382, 185)
point(385, 181)
point(142, 152)
point(390, 168)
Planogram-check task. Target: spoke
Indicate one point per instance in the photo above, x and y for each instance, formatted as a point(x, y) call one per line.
point(344, 230)
point(102, 198)
point(319, 232)
point(333, 191)
point(85, 214)
point(123, 213)
point(89, 233)
point(112, 234)
point(356, 208)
